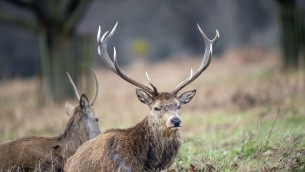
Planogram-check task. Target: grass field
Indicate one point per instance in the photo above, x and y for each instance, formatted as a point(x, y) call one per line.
point(247, 115)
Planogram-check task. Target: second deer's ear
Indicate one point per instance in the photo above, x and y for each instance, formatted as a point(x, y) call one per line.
point(144, 97)
point(84, 102)
point(69, 109)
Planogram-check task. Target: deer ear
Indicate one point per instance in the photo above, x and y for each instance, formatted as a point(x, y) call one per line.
point(84, 102)
point(186, 97)
point(144, 97)
point(69, 109)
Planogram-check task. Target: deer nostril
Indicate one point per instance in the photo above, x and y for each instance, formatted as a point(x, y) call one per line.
point(176, 122)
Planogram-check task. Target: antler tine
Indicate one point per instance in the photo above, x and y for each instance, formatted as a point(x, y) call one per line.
point(74, 87)
point(96, 87)
point(147, 76)
point(102, 47)
point(152, 85)
point(113, 65)
point(205, 61)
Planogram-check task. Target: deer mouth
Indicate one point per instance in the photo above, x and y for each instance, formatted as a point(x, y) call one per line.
point(175, 127)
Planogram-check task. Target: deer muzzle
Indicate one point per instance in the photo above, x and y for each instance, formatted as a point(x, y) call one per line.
point(174, 122)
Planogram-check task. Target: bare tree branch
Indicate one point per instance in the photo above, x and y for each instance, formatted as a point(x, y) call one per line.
point(43, 18)
point(64, 6)
point(19, 22)
point(21, 4)
point(77, 10)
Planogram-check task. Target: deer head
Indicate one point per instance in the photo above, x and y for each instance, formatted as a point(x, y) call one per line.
point(164, 106)
point(84, 112)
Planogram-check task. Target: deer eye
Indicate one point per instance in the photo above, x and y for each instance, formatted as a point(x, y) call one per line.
point(179, 107)
point(157, 109)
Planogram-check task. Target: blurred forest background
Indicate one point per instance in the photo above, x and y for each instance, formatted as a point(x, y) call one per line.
point(47, 38)
point(248, 113)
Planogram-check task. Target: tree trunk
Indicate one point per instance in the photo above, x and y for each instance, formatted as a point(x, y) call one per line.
point(292, 33)
point(56, 22)
point(61, 54)
point(84, 51)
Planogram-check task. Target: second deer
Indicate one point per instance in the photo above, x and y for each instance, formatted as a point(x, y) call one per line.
point(51, 153)
point(153, 143)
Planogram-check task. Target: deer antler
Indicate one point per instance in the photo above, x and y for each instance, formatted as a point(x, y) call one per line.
point(96, 87)
point(205, 61)
point(74, 86)
point(113, 65)
point(76, 91)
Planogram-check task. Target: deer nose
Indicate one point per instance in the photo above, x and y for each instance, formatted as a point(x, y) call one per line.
point(176, 121)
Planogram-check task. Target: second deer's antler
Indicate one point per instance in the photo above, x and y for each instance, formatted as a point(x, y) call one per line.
point(76, 90)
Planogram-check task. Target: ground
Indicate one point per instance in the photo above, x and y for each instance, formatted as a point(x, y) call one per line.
point(248, 113)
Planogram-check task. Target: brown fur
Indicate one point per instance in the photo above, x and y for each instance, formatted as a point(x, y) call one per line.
point(150, 145)
point(49, 153)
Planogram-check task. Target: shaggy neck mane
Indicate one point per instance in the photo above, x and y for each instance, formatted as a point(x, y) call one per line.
point(153, 148)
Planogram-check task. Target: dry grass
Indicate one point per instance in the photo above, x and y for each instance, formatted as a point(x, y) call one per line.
point(229, 126)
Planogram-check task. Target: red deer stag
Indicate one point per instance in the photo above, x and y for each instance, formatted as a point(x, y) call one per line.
point(153, 143)
point(50, 153)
